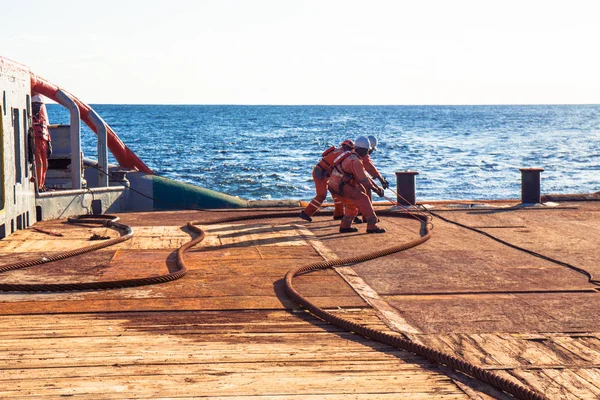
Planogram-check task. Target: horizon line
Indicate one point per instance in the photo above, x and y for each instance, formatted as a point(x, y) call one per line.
point(339, 105)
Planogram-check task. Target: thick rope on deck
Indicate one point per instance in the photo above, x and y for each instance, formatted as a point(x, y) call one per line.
point(439, 357)
point(108, 221)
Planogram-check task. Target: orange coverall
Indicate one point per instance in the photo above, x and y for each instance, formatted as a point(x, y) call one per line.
point(349, 183)
point(321, 173)
point(42, 138)
point(370, 167)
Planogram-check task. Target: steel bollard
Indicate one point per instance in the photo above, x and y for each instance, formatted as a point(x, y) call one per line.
point(530, 185)
point(405, 183)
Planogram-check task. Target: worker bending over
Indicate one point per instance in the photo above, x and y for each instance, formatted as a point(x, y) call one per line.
point(321, 173)
point(350, 183)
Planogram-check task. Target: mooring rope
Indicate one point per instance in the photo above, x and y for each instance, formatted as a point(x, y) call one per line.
point(108, 221)
point(516, 389)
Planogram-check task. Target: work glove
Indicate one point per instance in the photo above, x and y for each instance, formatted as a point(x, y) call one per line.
point(379, 190)
point(384, 183)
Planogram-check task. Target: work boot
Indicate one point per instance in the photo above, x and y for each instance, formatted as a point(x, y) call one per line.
point(357, 220)
point(346, 225)
point(305, 216)
point(375, 230)
point(337, 217)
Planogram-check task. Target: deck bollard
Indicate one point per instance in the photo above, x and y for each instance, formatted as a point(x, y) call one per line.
point(530, 185)
point(405, 183)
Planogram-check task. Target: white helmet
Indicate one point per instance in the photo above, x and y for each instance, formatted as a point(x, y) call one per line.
point(36, 98)
point(373, 141)
point(363, 143)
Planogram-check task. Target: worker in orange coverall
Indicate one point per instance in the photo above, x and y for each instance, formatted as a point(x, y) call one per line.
point(349, 181)
point(43, 147)
point(321, 173)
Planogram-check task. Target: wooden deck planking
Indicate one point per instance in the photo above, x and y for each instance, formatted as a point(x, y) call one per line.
point(570, 235)
point(208, 362)
point(228, 314)
point(220, 332)
point(164, 386)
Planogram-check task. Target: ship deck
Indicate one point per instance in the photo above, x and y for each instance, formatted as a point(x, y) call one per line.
point(227, 330)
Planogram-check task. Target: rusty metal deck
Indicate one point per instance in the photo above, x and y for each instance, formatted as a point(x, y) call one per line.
point(227, 329)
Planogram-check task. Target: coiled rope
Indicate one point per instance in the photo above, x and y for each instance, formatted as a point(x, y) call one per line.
point(108, 221)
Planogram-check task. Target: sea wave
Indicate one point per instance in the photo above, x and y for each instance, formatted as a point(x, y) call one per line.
point(460, 152)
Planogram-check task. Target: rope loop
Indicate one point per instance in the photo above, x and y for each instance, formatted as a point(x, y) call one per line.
point(517, 390)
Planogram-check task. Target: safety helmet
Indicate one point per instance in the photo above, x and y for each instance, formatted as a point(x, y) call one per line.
point(348, 143)
point(362, 142)
point(36, 98)
point(373, 141)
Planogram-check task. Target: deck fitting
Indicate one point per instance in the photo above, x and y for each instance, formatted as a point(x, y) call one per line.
point(405, 182)
point(530, 185)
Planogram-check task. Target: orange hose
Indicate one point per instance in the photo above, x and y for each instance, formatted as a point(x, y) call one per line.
point(124, 156)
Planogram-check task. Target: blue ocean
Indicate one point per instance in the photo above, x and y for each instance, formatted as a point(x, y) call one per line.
point(268, 152)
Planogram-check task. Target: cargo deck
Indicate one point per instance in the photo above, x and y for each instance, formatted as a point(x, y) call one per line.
point(227, 330)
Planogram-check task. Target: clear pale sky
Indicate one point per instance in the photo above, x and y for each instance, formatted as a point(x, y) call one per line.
point(310, 52)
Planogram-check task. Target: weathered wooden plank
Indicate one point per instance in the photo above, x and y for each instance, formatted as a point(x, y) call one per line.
point(573, 383)
point(239, 384)
point(179, 351)
point(368, 367)
point(184, 330)
point(206, 258)
point(495, 346)
point(168, 304)
point(69, 232)
point(468, 350)
point(542, 383)
point(314, 285)
point(220, 319)
point(208, 340)
point(85, 267)
point(590, 375)
point(268, 267)
point(162, 359)
point(579, 347)
point(184, 323)
point(533, 352)
point(354, 396)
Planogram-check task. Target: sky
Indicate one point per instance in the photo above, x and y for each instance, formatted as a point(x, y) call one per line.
point(369, 52)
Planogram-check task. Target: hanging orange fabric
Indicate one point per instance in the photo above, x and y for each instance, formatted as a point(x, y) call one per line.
point(42, 139)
